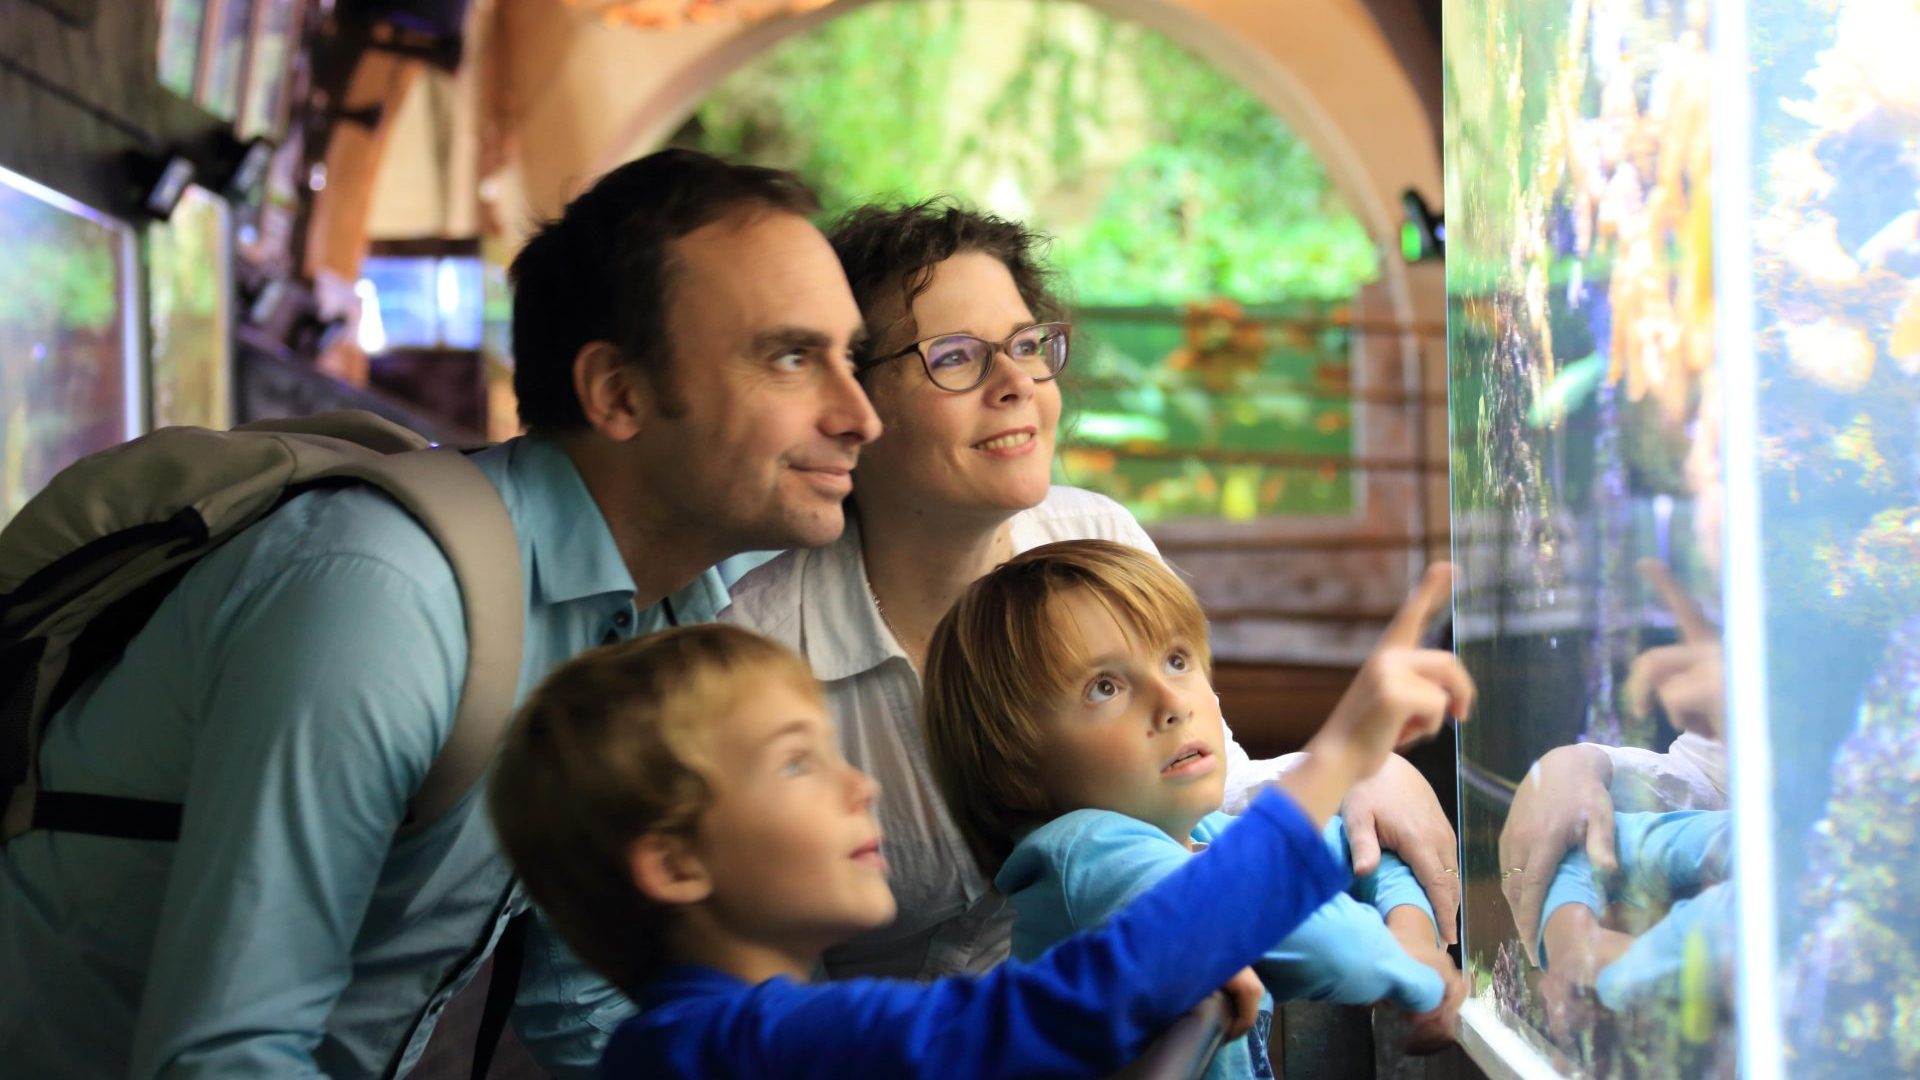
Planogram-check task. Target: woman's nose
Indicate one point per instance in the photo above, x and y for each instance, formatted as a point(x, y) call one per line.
point(1009, 381)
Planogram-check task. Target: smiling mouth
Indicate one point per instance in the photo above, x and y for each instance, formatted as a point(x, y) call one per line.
point(1005, 442)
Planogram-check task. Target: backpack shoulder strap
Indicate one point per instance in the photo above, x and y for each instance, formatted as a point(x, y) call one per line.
point(461, 508)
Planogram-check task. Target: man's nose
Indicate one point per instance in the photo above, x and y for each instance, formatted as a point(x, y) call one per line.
point(849, 413)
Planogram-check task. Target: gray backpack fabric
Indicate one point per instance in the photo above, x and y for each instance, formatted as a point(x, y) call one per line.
point(88, 559)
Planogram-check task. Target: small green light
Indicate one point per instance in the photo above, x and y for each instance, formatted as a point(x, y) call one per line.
point(1412, 244)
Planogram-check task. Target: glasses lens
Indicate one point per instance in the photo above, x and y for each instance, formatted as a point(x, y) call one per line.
point(1040, 350)
point(956, 362)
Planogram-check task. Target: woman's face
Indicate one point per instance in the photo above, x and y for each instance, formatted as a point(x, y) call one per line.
point(987, 450)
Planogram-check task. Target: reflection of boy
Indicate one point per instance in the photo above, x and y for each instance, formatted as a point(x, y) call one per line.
point(680, 809)
point(1073, 727)
point(1679, 859)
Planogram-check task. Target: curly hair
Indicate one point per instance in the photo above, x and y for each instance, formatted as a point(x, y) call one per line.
point(889, 252)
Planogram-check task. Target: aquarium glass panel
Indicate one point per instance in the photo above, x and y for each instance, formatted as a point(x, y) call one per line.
point(1684, 321)
point(264, 106)
point(226, 67)
point(181, 22)
point(190, 314)
point(68, 370)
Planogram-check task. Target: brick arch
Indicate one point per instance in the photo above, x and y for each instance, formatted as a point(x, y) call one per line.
point(1322, 66)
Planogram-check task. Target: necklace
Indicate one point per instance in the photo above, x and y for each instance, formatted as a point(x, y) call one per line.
point(884, 621)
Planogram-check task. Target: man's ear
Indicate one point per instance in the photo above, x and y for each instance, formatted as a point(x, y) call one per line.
point(614, 394)
point(667, 870)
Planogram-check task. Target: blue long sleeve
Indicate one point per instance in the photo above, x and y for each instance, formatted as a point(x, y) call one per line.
point(1085, 1008)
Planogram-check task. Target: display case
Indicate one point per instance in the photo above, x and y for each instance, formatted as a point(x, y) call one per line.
point(69, 341)
point(1684, 333)
point(190, 313)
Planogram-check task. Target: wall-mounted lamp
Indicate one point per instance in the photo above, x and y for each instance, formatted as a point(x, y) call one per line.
point(159, 182)
point(1424, 234)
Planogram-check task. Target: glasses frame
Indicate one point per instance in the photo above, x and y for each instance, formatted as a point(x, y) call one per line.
point(999, 349)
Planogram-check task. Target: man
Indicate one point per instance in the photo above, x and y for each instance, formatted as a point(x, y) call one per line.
point(682, 338)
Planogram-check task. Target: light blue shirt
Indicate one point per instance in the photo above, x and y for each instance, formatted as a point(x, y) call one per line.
point(1679, 860)
point(1076, 871)
point(292, 692)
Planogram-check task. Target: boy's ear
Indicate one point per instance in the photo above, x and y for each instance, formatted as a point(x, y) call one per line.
point(666, 869)
point(614, 394)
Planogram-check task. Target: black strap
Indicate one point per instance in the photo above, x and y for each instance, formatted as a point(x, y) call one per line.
point(106, 815)
point(508, 955)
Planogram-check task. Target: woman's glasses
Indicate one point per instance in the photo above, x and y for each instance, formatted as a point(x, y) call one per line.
point(960, 362)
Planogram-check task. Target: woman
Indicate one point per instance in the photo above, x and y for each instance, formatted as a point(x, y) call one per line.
point(966, 345)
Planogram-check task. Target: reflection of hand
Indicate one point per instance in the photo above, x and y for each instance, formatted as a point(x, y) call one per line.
point(1562, 802)
point(1690, 682)
point(1577, 947)
point(1688, 677)
point(1432, 1031)
point(1397, 809)
point(1244, 992)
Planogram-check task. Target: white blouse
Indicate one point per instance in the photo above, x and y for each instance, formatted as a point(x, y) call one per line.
point(817, 602)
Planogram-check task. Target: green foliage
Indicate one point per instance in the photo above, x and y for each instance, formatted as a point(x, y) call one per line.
point(1163, 180)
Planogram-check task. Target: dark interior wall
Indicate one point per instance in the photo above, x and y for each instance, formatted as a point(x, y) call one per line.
point(76, 98)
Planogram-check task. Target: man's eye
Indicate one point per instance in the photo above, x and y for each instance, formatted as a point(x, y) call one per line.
point(791, 360)
point(1102, 689)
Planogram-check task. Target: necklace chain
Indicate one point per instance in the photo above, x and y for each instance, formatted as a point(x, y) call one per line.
point(884, 621)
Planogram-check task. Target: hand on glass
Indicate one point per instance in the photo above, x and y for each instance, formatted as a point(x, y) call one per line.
point(1562, 802)
point(1687, 677)
point(1396, 808)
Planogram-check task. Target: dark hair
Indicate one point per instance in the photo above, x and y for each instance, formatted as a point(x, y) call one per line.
point(602, 270)
point(889, 252)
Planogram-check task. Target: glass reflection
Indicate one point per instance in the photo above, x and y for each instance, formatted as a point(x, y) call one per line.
point(1586, 471)
point(1591, 524)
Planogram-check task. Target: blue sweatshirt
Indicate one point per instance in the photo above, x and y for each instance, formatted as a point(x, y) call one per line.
point(1085, 1008)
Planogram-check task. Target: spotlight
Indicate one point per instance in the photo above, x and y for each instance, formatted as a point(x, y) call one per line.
point(159, 182)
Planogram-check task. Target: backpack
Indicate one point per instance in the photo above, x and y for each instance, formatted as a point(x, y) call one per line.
point(87, 561)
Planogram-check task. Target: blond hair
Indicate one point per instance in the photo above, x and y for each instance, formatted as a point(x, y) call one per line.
point(1001, 655)
point(608, 749)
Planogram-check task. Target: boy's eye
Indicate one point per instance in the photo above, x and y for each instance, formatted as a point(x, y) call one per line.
point(798, 765)
point(1102, 689)
point(1178, 663)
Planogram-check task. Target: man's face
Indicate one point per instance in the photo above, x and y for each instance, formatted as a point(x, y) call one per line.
point(760, 420)
point(1138, 729)
point(789, 840)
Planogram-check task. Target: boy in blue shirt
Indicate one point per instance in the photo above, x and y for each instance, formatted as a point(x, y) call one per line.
point(1074, 731)
point(679, 808)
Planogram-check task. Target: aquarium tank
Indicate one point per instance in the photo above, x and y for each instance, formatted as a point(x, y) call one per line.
point(69, 366)
point(1683, 267)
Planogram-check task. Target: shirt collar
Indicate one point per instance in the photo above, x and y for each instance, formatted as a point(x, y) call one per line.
point(573, 552)
point(842, 633)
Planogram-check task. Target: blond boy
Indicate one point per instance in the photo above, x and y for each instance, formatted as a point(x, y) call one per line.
point(1073, 729)
point(680, 810)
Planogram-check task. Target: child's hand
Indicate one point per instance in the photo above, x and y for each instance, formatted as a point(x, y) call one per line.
point(1401, 696)
point(1243, 992)
point(1434, 1030)
point(1403, 692)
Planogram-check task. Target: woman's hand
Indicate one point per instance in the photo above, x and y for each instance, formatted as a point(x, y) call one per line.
point(1562, 803)
point(1396, 809)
